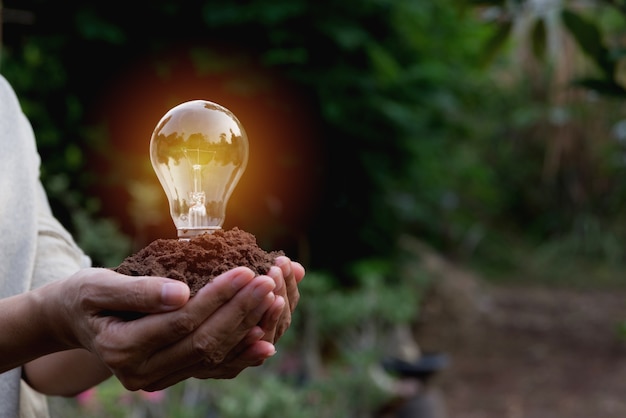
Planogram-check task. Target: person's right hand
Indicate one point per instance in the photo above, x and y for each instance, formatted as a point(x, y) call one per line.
point(212, 335)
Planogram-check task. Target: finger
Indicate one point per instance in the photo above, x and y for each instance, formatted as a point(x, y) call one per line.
point(299, 271)
point(247, 353)
point(258, 352)
point(281, 322)
point(292, 274)
point(276, 273)
point(220, 332)
point(230, 324)
point(254, 355)
point(255, 334)
point(251, 351)
point(103, 290)
point(270, 322)
point(175, 361)
point(152, 332)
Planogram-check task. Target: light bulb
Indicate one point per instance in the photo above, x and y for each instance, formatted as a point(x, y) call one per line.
point(199, 150)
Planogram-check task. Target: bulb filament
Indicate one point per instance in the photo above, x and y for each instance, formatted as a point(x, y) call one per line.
point(197, 209)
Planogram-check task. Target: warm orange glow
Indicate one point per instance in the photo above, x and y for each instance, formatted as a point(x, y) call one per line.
point(279, 185)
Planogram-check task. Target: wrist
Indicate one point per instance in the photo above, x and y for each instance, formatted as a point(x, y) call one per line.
point(48, 303)
point(25, 331)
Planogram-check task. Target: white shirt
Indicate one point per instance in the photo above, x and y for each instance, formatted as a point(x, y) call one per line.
point(35, 249)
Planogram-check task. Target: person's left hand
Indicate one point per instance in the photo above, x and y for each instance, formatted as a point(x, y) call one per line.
point(287, 275)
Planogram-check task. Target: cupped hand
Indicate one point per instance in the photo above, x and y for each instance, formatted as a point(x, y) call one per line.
point(216, 334)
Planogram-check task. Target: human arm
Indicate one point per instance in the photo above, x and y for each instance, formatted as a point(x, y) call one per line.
point(65, 373)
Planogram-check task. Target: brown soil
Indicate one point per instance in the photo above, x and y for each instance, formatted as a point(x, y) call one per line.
point(534, 352)
point(199, 260)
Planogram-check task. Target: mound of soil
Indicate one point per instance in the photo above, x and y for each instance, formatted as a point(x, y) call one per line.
point(198, 261)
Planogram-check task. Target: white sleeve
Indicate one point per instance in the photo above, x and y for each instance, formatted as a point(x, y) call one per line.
point(36, 248)
point(57, 256)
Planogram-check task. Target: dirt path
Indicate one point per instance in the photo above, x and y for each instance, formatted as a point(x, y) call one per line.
point(535, 353)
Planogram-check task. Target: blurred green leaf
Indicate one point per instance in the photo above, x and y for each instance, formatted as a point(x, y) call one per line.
point(589, 38)
point(93, 28)
point(496, 42)
point(539, 39)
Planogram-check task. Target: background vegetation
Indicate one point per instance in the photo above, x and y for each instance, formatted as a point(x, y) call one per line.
point(493, 131)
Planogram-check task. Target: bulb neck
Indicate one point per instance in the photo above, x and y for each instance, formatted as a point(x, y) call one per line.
point(185, 234)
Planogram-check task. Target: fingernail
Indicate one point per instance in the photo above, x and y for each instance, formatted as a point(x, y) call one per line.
point(263, 289)
point(282, 261)
point(174, 293)
point(282, 302)
point(274, 272)
point(279, 310)
point(286, 268)
point(256, 334)
point(265, 302)
point(240, 279)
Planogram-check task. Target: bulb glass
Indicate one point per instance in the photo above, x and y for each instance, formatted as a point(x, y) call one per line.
point(199, 150)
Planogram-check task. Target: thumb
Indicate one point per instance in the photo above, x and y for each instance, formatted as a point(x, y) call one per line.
point(174, 294)
point(116, 292)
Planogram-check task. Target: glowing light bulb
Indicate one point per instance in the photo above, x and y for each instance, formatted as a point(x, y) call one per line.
point(199, 150)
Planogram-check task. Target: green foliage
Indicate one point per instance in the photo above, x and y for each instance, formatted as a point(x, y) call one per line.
point(428, 124)
point(253, 394)
point(408, 112)
point(376, 302)
point(390, 80)
point(591, 41)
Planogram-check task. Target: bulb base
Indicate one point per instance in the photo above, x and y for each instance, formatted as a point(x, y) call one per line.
point(190, 232)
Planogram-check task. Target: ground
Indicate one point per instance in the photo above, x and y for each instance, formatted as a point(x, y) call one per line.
point(532, 352)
